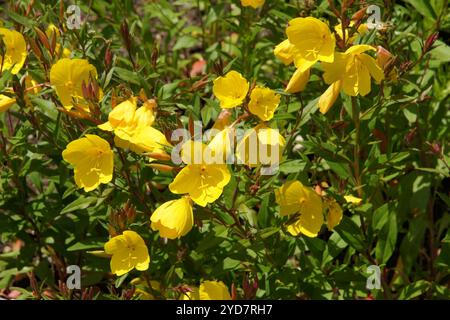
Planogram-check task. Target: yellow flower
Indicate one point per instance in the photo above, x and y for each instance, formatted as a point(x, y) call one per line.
point(15, 50)
point(352, 199)
point(252, 3)
point(260, 145)
point(93, 161)
point(202, 180)
point(128, 252)
point(143, 291)
point(173, 219)
point(6, 102)
point(351, 71)
point(298, 81)
point(286, 52)
point(362, 29)
point(53, 31)
point(67, 76)
point(304, 206)
point(231, 89)
point(312, 40)
point(263, 102)
point(335, 213)
point(194, 295)
point(132, 127)
point(214, 290)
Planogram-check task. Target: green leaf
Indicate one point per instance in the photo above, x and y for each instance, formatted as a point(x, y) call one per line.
point(424, 8)
point(79, 204)
point(414, 290)
point(185, 42)
point(351, 233)
point(86, 245)
point(387, 239)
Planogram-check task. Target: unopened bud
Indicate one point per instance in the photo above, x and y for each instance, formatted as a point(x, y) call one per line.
point(430, 41)
point(161, 167)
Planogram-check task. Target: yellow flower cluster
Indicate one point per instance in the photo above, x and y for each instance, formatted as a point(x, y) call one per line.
point(232, 90)
point(309, 41)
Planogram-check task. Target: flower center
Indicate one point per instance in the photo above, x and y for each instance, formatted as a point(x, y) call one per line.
point(69, 85)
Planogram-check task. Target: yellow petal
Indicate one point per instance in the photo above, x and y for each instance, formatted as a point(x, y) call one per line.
point(288, 196)
point(328, 98)
point(214, 290)
point(285, 51)
point(352, 199)
point(335, 213)
point(6, 102)
point(375, 71)
point(298, 81)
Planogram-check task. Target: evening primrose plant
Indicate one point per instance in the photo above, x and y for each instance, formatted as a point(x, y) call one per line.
point(224, 150)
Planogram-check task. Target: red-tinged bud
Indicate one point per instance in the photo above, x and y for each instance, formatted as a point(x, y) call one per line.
point(359, 15)
point(43, 39)
point(108, 58)
point(61, 11)
point(383, 56)
point(233, 292)
point(435, 148)
point(430, 41)
point(254, 189)
point(154, 57)
point(84, 90)
point(37, 51)
point(409, 137)
point(112, 231)
point(249, 287)
point(126, 37)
